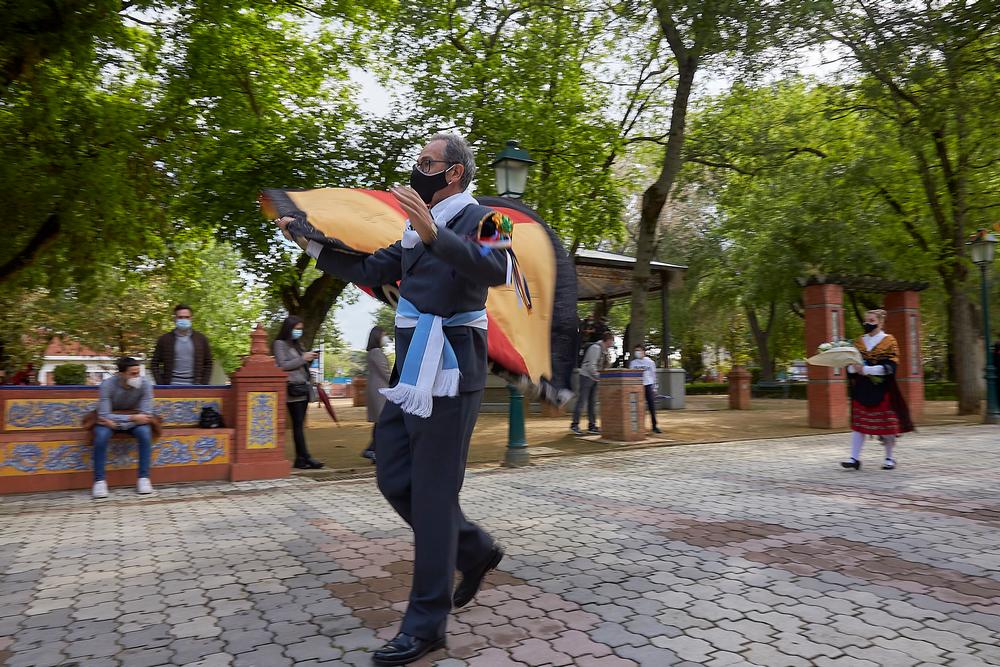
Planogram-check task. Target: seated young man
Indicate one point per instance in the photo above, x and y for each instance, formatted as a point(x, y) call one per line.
point(125, 405)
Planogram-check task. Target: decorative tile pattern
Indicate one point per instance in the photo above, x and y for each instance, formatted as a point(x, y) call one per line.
point(37, 414)
point(19, 458)
point(262, 423)
point(44, 414)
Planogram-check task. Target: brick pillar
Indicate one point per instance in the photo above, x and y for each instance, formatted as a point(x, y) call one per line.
point(623, 405)
point(258, 396)
point(827, 391)
point(903, 321)
point(739, 388)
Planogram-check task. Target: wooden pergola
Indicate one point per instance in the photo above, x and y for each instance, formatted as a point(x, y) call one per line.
point(606, 276)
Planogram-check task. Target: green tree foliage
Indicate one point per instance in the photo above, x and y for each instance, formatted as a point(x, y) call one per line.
point(522, 70)
point(928, 87)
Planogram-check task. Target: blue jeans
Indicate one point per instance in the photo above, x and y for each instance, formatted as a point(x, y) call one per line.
point(102, 434)
point(587, 393)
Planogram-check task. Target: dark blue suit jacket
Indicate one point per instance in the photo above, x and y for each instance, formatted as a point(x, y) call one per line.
point(452, 275)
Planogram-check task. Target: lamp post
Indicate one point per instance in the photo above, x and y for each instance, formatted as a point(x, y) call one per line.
point(983, 249)
point(511, 167)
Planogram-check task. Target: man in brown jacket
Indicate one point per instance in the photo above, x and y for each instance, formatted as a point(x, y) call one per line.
point(182, 356)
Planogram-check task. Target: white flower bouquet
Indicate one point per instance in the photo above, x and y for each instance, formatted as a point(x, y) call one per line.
point(836, 354)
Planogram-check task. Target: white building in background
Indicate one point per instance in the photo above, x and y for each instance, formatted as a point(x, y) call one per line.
point(99, 365)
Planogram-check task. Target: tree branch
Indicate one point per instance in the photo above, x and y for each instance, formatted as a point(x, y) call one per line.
point(41, 240)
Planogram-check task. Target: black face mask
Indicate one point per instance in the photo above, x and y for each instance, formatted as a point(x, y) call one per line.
point(869, 327)
point(427, 185)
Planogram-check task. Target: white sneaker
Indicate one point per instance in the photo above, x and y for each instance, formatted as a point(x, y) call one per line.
point(100, 490)
point(144, 485)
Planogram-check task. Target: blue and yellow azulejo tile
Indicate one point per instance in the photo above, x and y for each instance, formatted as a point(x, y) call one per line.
point(46, 414)
point(262, 427)
point(21, 458)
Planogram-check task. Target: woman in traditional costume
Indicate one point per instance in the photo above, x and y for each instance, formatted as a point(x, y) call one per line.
point(877, 406)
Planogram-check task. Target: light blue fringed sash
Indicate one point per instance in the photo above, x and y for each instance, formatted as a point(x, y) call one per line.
point(431, 367)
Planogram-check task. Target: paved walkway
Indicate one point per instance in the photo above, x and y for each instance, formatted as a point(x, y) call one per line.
point(762, 553)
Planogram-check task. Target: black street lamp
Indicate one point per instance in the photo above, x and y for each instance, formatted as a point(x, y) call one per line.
point(983, 249)
point(511, 165)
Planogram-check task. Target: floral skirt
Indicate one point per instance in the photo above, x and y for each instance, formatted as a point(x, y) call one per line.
point(878, 419)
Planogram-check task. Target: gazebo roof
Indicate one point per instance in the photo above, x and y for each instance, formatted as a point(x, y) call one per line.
point(608, 275)
point(864, 283)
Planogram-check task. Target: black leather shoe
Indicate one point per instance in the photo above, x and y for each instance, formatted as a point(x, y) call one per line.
point(853, 463)
point(404, 649)
point(473, 579)
point(308, 464)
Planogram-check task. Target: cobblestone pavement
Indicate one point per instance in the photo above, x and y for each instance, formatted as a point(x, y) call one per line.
point(762, 553)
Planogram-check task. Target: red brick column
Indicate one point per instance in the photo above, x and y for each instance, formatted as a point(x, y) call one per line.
point(258, 396)
point(903, 321)
point(827, 391)
point(739, 388)
point(623, 405)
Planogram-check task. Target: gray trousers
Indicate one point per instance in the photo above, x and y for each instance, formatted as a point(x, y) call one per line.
point(587, 394)
point(420, 466)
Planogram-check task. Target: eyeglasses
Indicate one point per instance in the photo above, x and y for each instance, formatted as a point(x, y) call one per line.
point(425, 165)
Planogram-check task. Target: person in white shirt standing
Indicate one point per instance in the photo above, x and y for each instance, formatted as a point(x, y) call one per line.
point(648, 366)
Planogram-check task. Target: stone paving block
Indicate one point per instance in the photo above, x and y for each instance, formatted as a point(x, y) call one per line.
point(767, 655)
point(720, 638)
point(145, 657)
point(44, 656)
point(269, 655)
point(313, 648)
point(604, 661)
point(213, 660)
point(882, 656)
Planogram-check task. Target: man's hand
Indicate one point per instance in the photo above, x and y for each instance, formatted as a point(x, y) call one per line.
point(417, 211)
point(140, 419)
point(283, 224)
point(104, 421)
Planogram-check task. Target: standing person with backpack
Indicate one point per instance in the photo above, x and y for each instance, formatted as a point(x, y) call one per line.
point(594, 361)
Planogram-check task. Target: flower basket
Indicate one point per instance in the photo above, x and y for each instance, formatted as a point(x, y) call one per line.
point(836, 357)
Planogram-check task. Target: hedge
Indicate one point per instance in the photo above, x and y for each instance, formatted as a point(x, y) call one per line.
point(70, 374)
point(933, 391)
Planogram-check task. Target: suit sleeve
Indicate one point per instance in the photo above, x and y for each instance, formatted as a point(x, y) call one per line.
point(383, 267)
point(484, 265)
point(206, 368)
point(157, 363)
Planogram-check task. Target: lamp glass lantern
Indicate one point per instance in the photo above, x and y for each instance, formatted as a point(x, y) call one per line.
point(511, 166)
point(983, 248)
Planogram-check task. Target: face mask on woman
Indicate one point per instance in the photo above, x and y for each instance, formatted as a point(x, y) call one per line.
point(296, 334)
point(869, 327)
point(385, 341)
point(639, 354)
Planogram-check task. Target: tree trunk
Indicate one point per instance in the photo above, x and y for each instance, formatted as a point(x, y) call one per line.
point(964, 342)
point(313, 305)
point(762, 338)
point(656, 196)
